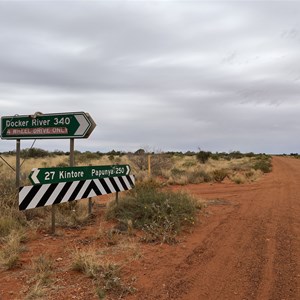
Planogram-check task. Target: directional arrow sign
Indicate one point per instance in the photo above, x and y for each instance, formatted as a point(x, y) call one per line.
point(68, 174)
point(47, 126)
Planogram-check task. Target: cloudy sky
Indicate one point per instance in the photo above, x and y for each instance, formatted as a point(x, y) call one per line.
point(164, 75)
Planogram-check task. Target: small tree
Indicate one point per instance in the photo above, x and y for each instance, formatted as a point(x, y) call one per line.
point(203, 156)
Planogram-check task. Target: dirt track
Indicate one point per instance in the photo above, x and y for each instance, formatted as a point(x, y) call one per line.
point(247, 248)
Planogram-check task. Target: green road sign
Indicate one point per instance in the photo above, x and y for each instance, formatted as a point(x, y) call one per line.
point(47, 126)
point(55, 175)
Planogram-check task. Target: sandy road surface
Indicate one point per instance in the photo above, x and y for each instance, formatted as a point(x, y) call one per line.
point(247, 248)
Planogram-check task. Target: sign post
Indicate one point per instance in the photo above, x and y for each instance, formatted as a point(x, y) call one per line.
point(18, 159)
point(69, 125)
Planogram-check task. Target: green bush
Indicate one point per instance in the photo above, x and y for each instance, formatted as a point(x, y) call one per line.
point(34, 153)
point(86, 157)
point(263, 163)
point(215, 156)
point(236, 155)
point(160, 214)
point(203, 156)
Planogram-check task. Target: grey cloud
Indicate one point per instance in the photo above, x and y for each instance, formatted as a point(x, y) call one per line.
point(171, 75)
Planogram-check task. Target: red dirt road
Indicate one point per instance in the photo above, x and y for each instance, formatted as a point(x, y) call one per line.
point(246, 245)
point(247, 248)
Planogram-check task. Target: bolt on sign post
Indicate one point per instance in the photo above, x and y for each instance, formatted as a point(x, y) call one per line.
point(68, 125)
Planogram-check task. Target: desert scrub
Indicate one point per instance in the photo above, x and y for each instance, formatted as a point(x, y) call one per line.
point(219, 175)
point(43, 268)
point(37, 291)
point(9, 222)
point(11, 219)
point(160, 214)
point(177, 172)
point(72, 214)
point(238, 178)
point(10, 252)
point(85, 262)
point(105, 274)
point(263, 163)
point(199, 177)
point(203, 156)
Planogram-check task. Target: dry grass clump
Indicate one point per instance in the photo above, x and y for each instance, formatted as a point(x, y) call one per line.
point(72, 214)
point(38, 291)
point(105, 273)
point(86, 262)
point(11, 219)
point(238, 178)
point(10, 252)
point(219, 174)
point(43, 269)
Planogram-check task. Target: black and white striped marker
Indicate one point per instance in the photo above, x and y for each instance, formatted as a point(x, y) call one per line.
point(48, 194)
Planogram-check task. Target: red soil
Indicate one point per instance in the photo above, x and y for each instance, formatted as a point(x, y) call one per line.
point(245, 246)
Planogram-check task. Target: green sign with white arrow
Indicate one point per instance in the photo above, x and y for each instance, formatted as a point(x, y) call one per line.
point(67, 174)
point(47, 126)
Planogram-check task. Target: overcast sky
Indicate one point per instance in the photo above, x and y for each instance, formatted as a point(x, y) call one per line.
point(164, 75)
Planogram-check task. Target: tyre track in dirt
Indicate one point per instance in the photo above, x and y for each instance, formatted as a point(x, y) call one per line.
point(250, 252)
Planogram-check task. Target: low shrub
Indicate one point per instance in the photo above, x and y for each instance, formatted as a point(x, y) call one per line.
point(219, 175)
point(199, 177)
point(160, 214)
point(263, 163)
point(105, 274)
point(38, 291)
point(34, 153)
point(177, 172)
point(238, 178)
point(180, 180)
point(159, 163)
point(203, 156)
point(10, 217)
point(249, 174)
point(9, 254)
point(43, 268)
point(189, 164)
point(86, 157)
point(8, 223)
point(85, 262)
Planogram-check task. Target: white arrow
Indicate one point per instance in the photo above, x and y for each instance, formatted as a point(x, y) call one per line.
point(128, 170)
point(83, 125)
point(34, 176)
